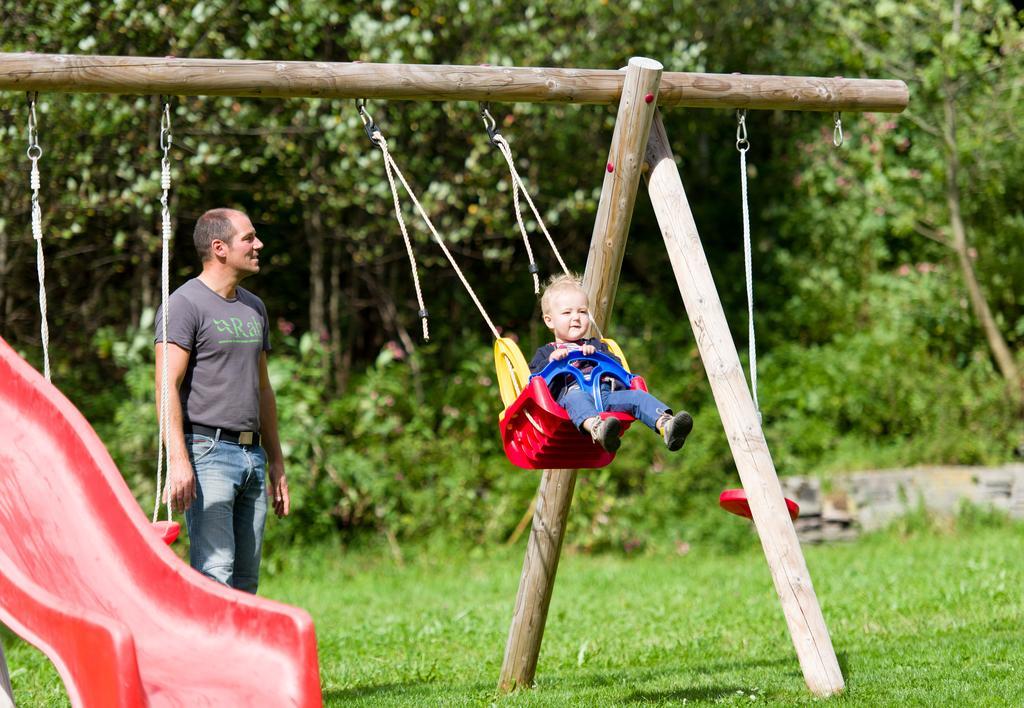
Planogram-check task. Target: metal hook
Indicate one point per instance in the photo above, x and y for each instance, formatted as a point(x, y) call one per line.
point(489, 123)
point(837, 130)
point(368, 125)
point(32, 97)
point(742, 144)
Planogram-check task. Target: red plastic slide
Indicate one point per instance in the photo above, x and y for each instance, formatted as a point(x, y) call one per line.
point(84, 577)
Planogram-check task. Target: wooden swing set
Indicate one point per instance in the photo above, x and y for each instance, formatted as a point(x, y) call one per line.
point(639, 149)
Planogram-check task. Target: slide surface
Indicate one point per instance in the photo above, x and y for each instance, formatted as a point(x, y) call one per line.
point(85, 578)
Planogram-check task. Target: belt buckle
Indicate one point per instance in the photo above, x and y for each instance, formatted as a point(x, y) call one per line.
point(245, 438)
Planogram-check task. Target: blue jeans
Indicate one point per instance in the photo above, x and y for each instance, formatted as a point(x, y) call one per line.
point(639, 404)
point(225, 522)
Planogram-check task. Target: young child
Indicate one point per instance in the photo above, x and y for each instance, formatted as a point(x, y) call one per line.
point(566, 313)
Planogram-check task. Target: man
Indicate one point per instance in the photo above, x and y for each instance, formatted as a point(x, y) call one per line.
point(221, 430)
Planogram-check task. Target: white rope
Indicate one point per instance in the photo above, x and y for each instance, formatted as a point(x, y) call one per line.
point(391, 168)
point(34, 152)
point(437, 237)
point(165, 280)
point(498, 140)
point(742, 145)
point(516, 182)
point(501, 143)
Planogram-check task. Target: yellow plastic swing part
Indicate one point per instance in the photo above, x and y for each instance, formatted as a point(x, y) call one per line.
point(617, 351)
point(513, 372)
point(511, 368)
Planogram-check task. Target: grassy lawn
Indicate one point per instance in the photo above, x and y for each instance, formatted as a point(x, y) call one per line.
point(927, 619)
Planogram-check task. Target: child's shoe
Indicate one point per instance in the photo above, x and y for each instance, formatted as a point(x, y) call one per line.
point(605, 432)
point(674, 429)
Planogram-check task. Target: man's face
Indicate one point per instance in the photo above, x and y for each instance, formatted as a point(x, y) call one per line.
point(243, 251)
point(569, 317)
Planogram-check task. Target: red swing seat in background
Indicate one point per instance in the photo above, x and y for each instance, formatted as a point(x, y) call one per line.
point(167, 530)
point(735, 502)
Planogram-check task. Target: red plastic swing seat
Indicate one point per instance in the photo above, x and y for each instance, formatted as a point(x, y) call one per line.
point(735, 502)
point(167, 530)
point(538, 434)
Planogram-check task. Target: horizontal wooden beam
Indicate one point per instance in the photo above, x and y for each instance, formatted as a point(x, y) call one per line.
point(425, 82)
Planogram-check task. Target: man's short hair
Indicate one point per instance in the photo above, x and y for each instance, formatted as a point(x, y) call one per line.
point(214, 225)
point(559, 284)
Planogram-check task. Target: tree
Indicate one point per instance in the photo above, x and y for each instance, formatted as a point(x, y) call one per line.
point(965, 67)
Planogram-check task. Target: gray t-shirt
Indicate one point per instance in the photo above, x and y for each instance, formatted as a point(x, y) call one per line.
point(224, 338)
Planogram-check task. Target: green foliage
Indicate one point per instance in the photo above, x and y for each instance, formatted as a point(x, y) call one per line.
point(881, 199)
point(870, 355)
point(379, 461)
point(130, 431)
point(882, 392)
point(969, 519)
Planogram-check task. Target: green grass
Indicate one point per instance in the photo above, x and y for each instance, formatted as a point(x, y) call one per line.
point(929, 618)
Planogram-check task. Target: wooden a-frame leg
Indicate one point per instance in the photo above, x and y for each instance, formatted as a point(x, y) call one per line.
point(611, 227)
point(739, 417)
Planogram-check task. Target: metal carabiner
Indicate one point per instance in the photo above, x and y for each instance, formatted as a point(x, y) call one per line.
point(34, 152)
point(165, 127)
point(742, 144)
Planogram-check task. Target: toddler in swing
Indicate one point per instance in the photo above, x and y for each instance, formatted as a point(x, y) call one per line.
point(565, 307)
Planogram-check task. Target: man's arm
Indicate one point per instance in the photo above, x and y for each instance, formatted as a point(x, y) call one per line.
point(181, 480)
point(271, 442)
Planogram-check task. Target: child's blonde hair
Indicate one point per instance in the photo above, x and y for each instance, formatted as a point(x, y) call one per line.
point(559, 284)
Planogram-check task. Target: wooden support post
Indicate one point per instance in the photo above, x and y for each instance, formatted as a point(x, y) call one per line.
point(621, 181)
point(608, 243)
point(739, 417)
point(538, 579)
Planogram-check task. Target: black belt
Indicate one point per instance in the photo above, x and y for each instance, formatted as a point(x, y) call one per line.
point(245, 437)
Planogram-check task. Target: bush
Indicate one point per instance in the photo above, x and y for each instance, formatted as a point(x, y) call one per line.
point(884, 393)
point(405, 455)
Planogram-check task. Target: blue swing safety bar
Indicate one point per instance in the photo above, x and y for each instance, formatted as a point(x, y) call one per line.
point(589, 381)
